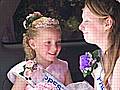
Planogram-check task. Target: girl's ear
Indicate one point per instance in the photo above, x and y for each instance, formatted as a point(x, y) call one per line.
point(108, 23)
point(32, 43)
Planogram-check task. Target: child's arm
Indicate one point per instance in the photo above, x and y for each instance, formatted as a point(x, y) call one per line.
point(19, 84)
point(68, 79)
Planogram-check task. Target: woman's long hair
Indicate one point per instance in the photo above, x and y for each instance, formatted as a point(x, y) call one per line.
point(103, 8)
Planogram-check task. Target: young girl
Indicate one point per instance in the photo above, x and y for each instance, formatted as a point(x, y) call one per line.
point(41, 70)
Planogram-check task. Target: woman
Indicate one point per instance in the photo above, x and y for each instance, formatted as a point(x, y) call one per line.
point(101, 26)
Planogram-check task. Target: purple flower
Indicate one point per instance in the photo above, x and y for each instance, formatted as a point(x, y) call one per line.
point(85, 61)
point(88, 62)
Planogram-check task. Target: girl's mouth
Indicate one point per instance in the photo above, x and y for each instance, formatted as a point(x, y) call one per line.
point(52, 53)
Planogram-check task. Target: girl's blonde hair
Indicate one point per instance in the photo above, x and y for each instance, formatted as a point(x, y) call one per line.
point(32, 24)
point(104, 8)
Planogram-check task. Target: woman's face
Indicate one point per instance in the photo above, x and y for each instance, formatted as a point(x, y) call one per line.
point(47, 44)
point(92, 27)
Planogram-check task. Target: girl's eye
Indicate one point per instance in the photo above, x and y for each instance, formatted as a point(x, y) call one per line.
point(47, 43)
point(58, 43)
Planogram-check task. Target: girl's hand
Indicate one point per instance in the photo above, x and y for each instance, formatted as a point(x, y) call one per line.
point(19, 84)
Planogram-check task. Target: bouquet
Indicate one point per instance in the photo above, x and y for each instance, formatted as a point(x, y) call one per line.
point(89, 62)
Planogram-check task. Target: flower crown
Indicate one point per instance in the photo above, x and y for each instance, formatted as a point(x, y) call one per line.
point(37, 20)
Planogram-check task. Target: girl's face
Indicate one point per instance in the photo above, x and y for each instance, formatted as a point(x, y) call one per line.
point(47, 44)
point(92, 27)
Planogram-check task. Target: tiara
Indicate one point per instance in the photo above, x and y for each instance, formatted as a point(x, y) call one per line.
point(45, 22)
point(37, 20)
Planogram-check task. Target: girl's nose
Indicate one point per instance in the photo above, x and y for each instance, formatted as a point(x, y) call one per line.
point(54, 48)
point(81, 27)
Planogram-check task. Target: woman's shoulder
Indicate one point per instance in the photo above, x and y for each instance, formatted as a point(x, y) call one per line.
point(116, 75)
point(118, 60)
point(117, 63)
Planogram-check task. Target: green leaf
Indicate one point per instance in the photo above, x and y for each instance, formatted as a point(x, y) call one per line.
point(96, 55)
point(84, 75)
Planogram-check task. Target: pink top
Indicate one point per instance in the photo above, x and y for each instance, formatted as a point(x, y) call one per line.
point(58, 69)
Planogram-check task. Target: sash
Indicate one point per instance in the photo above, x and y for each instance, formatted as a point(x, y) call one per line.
point(46, 78)
point(49, 78)
point(99, 75)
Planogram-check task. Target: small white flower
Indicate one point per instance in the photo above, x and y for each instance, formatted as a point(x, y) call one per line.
point(85, 71)
point(24, 24)
point(90, 68)
point(30, 15)
point(30, 63)
point(87, 68)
